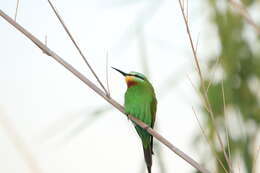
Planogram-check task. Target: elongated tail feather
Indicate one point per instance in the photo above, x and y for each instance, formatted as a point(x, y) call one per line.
point(147, 146)
point(148, 157)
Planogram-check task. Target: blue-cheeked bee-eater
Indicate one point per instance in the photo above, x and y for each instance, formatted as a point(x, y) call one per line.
point(140, 102)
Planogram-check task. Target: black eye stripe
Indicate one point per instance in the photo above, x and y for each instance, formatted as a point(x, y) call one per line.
point(137, 76)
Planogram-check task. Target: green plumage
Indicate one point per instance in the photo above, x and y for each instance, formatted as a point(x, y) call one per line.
point(140, 102)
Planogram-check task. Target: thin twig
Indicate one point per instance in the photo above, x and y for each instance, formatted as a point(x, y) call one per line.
point(46, 40)
point(187, 11)
point(16, 10)
point(243, 12)
point(208, 141)
point(143, 51)
point(108, 89)
point(102, 94)
point(255, 160)
point(197, 42)
point(238, 164)
point(192, 84)
point(205, 96)
point(191, 42)
point(212, 75)
point(225, 120)
point(75, 44)
point(19, 144)
point(197, 91)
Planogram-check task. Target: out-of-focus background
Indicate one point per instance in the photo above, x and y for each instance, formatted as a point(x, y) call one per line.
point(51, 122)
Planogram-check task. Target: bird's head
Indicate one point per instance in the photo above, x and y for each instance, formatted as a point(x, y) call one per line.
point(133, 78)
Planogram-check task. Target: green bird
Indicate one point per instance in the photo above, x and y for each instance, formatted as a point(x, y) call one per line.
point(140, 102)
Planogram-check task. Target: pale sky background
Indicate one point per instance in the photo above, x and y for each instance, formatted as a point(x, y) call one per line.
point(44, 102)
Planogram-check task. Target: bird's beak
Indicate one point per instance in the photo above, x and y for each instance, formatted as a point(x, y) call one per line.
point(123, 73)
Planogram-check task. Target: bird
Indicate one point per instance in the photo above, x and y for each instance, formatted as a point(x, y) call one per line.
point(140, 101)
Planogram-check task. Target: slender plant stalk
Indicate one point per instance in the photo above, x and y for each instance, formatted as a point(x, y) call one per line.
point(244, 13)
point(238, 165)
point(214, 69)
point(19, 144)
point(226, 120)
point(76, 45)
point(102, 94)
point(205, 96)
point(255, 160)
point(46, 40)
point(143, 51)
point(208, 141)
point(197, 42)
point(197, 90)
point(16, 9)
point(108, 88)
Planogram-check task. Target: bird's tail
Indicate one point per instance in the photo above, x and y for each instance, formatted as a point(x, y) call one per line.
point(148, 157)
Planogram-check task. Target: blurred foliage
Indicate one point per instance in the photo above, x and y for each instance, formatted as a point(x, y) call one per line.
point(239, 70)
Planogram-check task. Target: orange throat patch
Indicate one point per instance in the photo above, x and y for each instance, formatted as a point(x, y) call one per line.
point(130, 81)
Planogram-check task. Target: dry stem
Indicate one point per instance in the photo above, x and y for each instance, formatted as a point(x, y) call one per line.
point(108, 88)
point(205, 96)
point(16, 10)
point(225, 119)
point(243, 12)
point(208, 141)
point(75, 44)
point(255, 160)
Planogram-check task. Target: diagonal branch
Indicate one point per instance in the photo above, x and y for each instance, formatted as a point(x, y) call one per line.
point(75, 44)
point(102, 94)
